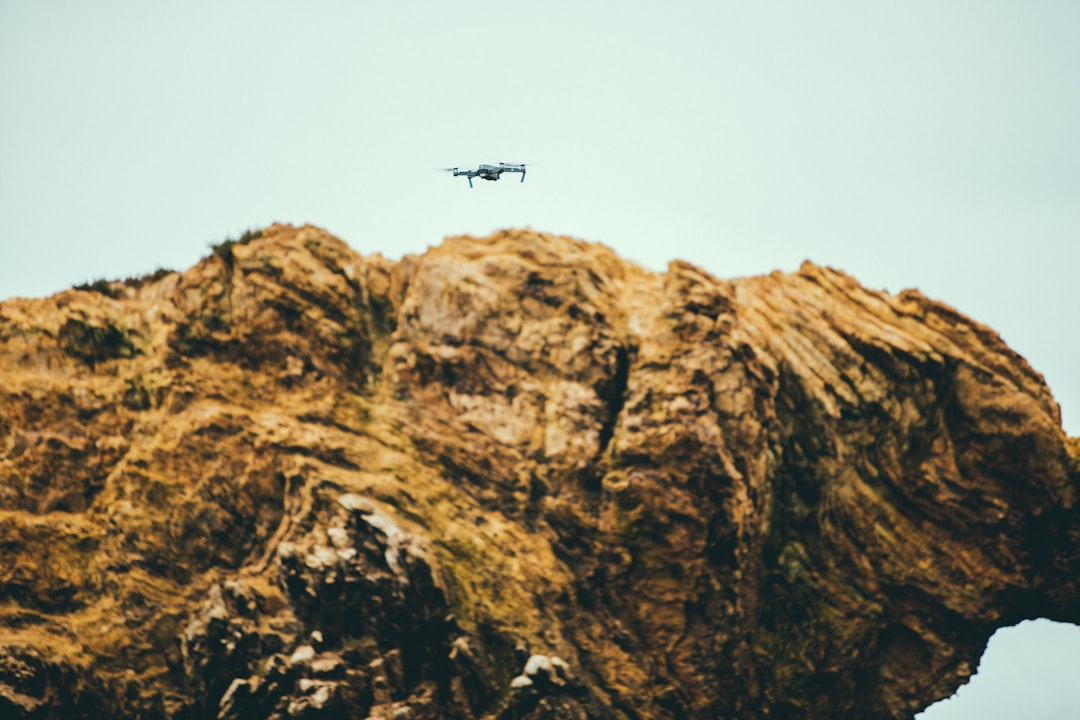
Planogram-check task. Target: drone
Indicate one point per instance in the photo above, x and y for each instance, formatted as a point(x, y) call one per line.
point(490, 172)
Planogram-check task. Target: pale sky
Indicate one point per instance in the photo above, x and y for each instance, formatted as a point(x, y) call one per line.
point(917, 144)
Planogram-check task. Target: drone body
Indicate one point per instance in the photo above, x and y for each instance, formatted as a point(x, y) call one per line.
point(490, 172)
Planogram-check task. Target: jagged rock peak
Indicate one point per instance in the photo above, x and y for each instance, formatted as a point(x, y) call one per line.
point(513, 477)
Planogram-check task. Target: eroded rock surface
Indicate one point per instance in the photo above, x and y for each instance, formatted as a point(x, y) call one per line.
point(514, 477)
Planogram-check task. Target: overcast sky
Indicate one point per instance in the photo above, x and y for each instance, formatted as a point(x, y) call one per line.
point(917, 144)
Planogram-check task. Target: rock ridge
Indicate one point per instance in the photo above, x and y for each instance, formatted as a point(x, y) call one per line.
point(513, 477)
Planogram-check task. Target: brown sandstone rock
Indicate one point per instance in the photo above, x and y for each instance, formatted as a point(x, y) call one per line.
point(515, 477)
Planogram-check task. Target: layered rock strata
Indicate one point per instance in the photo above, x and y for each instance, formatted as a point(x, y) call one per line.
point(514, 477)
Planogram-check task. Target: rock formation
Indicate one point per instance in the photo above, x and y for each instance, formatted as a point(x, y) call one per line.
point(514, 477)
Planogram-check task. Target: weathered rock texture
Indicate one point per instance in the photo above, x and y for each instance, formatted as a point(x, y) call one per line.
point(515, 477)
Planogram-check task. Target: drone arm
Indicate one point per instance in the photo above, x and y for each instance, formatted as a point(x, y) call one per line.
point(505, 168)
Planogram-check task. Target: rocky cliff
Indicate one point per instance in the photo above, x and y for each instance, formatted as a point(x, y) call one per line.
point(514, 477)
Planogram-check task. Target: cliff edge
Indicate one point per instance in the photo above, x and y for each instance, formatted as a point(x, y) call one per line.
point(513, 477)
